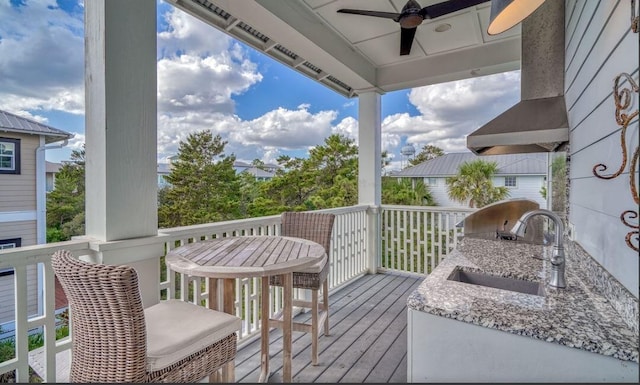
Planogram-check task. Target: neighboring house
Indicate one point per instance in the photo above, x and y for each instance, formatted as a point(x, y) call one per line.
point(50, 177)
point(271, 167)
point(23, 187)
point(240, 166)
point(523, 174)
point(265, 172)
point(259, 174)
point(163, 170)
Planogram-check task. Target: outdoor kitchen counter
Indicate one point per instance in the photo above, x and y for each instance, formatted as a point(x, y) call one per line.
point(577, 316)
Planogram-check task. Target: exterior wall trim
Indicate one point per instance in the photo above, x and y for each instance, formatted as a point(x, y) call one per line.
point(17, 216)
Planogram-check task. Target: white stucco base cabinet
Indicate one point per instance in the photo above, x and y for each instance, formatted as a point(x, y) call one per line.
point(440, 349)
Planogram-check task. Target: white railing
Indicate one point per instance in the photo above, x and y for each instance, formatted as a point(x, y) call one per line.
point(415, 239)
point(39, 257)
point(348, 259)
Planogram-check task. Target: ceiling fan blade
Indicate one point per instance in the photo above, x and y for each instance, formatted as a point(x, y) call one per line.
point(446, 7)
point(386, 15)
point(406, 40)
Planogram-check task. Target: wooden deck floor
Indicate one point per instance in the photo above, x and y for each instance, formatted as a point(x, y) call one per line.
point(367, 341)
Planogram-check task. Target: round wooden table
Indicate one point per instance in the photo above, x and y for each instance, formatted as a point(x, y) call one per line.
point(246, 257)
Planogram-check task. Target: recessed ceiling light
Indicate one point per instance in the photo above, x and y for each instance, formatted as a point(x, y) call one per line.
point(443, 27)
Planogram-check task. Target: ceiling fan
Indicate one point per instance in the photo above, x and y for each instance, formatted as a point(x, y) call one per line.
point(412, 16)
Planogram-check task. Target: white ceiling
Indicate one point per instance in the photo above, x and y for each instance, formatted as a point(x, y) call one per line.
point(356, 53)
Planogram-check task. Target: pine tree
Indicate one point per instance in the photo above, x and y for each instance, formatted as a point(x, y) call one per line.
point(65, 204)
point(428, 152)
point(203, 186)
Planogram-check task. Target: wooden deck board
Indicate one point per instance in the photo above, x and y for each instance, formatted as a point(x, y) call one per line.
point(246, 364)
point(367, 341)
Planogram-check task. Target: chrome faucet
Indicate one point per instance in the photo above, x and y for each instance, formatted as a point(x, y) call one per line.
point(557, 257)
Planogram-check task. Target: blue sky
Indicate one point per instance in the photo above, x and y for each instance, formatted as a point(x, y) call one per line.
point(208, 80)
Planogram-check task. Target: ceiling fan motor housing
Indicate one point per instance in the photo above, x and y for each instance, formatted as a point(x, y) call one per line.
point(412, 15)
point(411, 21)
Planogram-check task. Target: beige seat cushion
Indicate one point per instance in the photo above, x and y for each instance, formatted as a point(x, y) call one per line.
point(177, 329)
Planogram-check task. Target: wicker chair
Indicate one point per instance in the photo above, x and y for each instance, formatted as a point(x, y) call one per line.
point(116, 340)
point(315, 227)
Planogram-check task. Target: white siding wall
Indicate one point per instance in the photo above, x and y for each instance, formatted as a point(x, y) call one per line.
point(7, 295)
point(18, 192)
point(440, 194)
point(18, 196)
point(26, 231)
point(527, 187)
point(599, 46)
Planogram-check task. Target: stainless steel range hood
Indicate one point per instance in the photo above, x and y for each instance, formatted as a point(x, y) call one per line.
point(538, 123)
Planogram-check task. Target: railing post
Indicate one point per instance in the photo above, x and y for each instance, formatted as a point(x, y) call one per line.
point(142, 254)
point(373, 239)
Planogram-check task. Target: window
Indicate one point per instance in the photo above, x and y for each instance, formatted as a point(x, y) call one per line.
point(510, 181)
point(9, 244)
point(431, 181)
point(9, 156)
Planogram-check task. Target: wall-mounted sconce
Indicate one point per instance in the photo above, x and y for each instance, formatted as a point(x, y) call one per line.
point(507, 13)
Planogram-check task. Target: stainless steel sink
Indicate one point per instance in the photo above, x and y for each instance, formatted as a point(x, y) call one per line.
point(497, 282)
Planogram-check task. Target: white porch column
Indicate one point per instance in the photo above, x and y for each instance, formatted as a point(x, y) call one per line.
point(121, 128)
point(369, 166)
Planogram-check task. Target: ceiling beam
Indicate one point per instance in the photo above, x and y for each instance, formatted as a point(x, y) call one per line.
point(500, 56)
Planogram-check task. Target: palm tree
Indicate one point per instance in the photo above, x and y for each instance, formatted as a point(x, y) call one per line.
point(473, 184)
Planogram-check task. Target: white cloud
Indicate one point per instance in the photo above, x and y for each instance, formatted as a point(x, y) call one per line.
point(450, 111)
point(187, 34)
point(467, 100)
point(275, 133)
point(175, 128)
point(347, 127)
point(453, 110)
point(201, 70)
point(285, 129)
point(76, 142)
point(29, 115)
point(191, 83)
point(270, 155)
point(41, 58)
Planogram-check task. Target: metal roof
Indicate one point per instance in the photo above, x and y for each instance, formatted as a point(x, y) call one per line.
point(258, 173)
point(511, 164)
point(164, 168)
point(14, 123)
point(52, 167)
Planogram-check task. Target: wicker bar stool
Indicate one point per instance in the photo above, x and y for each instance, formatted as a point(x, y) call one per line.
point(316, 227)
point(116, 340)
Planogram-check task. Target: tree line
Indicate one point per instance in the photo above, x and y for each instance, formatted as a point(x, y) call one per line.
point(204, 187)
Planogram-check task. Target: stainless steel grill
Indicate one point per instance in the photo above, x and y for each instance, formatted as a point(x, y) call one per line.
point(496, 220)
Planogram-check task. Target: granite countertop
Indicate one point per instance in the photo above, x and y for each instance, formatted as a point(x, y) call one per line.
point(577, 316)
